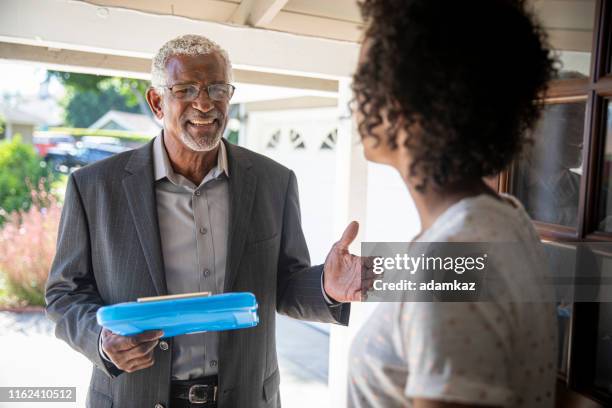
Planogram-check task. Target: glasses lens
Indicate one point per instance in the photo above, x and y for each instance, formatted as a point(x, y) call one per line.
point(220, 92)
point(185, 92)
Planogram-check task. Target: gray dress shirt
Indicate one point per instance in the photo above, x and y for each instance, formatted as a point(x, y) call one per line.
point(193, 226)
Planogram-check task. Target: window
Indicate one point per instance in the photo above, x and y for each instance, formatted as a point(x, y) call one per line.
point(604, 219)
point(329, 143)
point(547, 177)
point(564, 180)
point(297, 141)
point(569, 26)
point(273, 140)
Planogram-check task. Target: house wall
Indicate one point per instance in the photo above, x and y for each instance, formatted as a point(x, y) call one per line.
point(26, 131)
point(378, 198)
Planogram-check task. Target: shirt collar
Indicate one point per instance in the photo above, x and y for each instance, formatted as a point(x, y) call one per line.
point(163, 167)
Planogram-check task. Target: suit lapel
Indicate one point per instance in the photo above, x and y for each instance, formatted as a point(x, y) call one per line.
point(242, 184)
point(140, 192)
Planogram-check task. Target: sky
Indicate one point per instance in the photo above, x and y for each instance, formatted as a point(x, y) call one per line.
point(24, 78)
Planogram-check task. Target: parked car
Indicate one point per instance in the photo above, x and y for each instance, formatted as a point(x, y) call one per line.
point(89, 141)
point(65, 160)
point(45, 141)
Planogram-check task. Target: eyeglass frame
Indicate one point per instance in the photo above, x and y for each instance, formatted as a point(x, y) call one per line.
point(231, 87)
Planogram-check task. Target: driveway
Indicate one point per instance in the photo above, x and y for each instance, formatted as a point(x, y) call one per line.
point(32, 356)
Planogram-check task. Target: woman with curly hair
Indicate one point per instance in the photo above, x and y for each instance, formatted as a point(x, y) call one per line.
point(445, 93)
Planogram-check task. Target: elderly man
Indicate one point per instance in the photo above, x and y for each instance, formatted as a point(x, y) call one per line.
point(189, 212)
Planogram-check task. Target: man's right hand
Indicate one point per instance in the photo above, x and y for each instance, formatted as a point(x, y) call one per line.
point(131, 353)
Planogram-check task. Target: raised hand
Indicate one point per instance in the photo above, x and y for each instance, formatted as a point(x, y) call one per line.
point(342, 270)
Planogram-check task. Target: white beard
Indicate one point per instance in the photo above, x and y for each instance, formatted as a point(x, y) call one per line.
point(200, 145)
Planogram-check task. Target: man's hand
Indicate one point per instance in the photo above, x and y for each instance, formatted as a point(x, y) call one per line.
point(131, 353)
point(342, 280)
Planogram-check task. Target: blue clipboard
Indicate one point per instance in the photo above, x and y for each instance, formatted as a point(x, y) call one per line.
point(183, 314)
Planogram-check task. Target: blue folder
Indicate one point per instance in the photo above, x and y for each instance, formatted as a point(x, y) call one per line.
point(228, 311)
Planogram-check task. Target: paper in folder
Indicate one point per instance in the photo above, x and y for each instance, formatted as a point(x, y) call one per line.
point(181, 314)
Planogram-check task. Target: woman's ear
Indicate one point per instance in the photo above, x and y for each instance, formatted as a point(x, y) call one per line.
point(409, 136)
point(410, 131)
point(155, 100)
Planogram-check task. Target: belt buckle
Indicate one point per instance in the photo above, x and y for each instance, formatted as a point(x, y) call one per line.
point(198, 394)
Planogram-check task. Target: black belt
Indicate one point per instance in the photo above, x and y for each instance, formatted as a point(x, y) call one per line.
point(198, 393)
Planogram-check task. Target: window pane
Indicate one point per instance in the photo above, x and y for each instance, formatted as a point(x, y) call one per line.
point(562, 264)
point(605, 209)
point(603, 368)
point(547, 177)
point(569, 25)
point(608, 52)
point(603, 359)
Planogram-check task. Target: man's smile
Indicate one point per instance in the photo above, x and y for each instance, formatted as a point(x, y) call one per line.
point(199, 122)
point(204, 124)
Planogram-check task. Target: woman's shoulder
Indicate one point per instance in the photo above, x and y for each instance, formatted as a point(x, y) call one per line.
point(482, 218)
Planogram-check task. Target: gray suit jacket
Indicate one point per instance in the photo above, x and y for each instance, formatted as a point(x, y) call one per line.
point(108, 252)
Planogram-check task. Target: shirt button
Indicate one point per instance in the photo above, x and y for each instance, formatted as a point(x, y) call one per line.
point(213, 363)
point(197, 192)
point(206, 273)
point(159, 406)
point(163, 345)
point(203, 231)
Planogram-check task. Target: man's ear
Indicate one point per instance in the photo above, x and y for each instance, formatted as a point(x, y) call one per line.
point(155, 100)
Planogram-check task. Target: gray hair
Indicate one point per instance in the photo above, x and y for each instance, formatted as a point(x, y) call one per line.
point(189, 44)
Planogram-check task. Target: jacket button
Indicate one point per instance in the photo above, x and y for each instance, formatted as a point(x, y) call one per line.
point(164, 346)
point(159, 406)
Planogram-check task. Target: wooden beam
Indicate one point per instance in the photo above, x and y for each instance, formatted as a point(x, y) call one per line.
point(134, 67)
point(300, 102)
point(285, 81)
point(78, 61)
point(241, 14)
point(257, 13)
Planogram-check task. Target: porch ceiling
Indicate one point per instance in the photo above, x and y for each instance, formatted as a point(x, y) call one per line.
point(334, 19)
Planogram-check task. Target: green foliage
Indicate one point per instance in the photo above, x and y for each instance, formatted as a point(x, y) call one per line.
point(20, 168)
point(89, 97)
point(4, 293)
point(76, 81)
point(18, 295)
point(133, 90)
point(82, 109)
point(232, 136)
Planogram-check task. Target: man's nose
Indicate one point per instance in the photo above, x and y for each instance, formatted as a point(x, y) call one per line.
point(203, 102)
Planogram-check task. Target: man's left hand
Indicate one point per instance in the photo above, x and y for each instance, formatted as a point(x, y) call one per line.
point(342, 271)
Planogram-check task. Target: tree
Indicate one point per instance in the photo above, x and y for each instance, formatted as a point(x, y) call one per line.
point(88, 97)
point(82, 109)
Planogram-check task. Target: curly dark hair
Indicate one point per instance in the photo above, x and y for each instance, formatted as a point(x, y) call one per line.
point(469, 72)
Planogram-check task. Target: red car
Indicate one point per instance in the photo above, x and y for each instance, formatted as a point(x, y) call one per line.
point(44, 142)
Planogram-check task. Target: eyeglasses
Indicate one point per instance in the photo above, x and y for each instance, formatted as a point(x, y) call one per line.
point(190, 92)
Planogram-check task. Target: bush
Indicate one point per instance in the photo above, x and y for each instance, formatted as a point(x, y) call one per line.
point(19, 166)
point(27, 248)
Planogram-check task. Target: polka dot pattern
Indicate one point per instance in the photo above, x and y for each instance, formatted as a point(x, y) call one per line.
point(497, 353)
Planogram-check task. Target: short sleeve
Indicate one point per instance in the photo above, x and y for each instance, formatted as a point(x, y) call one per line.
point(457, 352)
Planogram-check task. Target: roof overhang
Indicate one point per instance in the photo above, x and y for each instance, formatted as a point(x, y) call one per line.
point(112, 33)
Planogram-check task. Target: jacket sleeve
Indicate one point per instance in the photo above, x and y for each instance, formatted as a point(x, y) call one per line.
point(299, 291)
point(71, 293)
